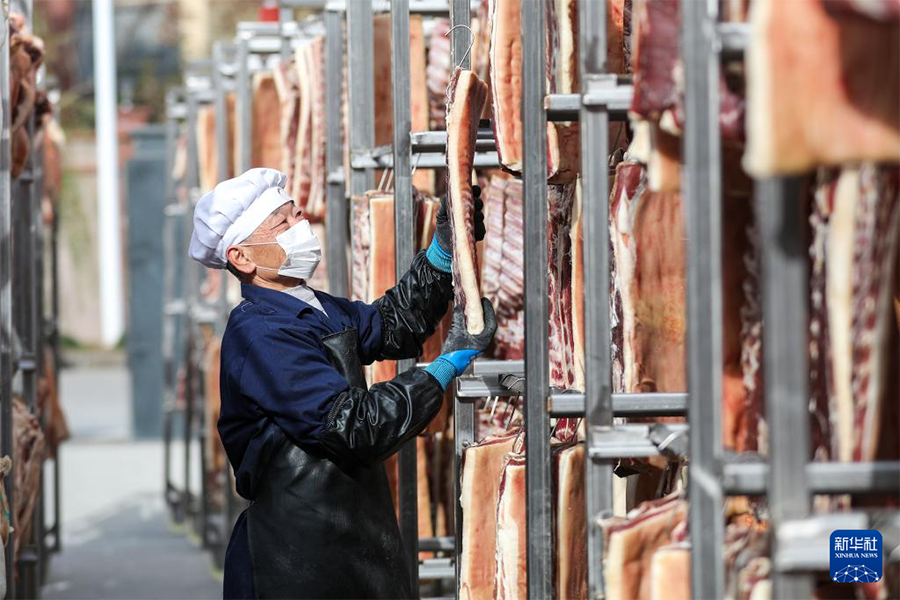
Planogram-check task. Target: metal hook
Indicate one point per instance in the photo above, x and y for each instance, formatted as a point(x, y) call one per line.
point(471, 43)
point(384, 175)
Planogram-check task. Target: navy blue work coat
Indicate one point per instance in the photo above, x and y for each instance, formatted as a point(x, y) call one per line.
point(276, 381)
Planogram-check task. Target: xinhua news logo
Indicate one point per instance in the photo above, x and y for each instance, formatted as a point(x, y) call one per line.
point(856, 556)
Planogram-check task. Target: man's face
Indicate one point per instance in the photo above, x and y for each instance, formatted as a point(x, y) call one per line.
point(261, 249)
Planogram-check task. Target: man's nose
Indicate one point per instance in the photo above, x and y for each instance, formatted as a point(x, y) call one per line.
point(295, 218)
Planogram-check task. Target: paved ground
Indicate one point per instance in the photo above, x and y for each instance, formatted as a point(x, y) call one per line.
point(117, 538)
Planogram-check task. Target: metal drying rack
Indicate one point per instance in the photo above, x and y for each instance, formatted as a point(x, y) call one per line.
point(26, 328)
point(604, 97)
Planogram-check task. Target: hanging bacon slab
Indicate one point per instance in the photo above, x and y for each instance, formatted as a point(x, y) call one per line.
point(570, 531)
point(206, 147)
point(670, 573)
point(563, 143)
point(511, 576)
point(302, 179)
point(481, 473)
point(648, 247)
point(318, 175)
point(561, 201)
point(466, 98)
point(822, 89)
point(632, 543)
point(855, 340)
point(265, 145)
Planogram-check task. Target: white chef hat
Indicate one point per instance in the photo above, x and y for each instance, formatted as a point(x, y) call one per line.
point(232, 211)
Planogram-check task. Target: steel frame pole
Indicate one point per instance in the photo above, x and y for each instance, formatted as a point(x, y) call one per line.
point(463, 412)
point(538, 470)
point(404, 234)
point(361, 88)
point(595, 219)
point(785, 358)
point(6, 297)
point(702, 205)
point(337, 218)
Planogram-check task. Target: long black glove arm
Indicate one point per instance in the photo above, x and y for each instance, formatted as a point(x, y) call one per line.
point(365, 427)
point(412, 309)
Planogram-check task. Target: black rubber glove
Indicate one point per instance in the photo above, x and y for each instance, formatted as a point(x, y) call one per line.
point(444, 233)
point(461, 347)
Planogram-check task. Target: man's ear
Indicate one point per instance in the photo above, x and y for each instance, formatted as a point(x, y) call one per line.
point(239, 259)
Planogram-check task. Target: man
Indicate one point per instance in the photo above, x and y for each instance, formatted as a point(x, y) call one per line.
point(305, 437)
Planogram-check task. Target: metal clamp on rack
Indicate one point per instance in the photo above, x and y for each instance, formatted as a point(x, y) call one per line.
point(485, 380)
point(614, 92)
point(638, 440)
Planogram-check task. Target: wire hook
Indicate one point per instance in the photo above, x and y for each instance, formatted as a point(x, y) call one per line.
point(471, 42)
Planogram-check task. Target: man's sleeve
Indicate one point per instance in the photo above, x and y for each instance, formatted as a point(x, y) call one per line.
point(288, 375)
point(412, 309)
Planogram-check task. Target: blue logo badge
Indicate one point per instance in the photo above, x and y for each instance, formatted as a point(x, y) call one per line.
point(856, 556)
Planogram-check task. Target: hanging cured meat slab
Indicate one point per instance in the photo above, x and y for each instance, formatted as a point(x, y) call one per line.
point(822, 88)
point(854, 334)
point(570, 533)
point(563, 144)
point(632, 544)
point(561, 201)
point(647, 237)
point(206, 147)
point(670, 573)
point(479, 492)
point(466, 97)
point(265, 144)
point(511, 576)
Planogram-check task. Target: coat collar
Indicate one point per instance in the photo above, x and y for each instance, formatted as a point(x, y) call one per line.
point(275, 300)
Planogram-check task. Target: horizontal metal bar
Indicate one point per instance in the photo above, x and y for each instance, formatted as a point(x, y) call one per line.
point(26, 364)
point(336, 176)
point(177, 111)
point(626, 441)
point(437, 544)
point(624, 405)
point(824, 478)
point(803, 544)
point(437, 568)
point(437, 140)
point(498, 367)
point(416, 7)
point(431, 160)
point(733, 38)
point(302, 3)
point(611, 91)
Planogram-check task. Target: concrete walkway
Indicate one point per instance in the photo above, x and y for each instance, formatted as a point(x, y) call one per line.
point(117, 539)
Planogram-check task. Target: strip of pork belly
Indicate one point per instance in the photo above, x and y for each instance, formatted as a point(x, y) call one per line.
point(512, 275)
point(670, 573)
point(822, 89)
point(382, 273)
point(511, 538)
point(561, 201)
point(466, 97)
point(207, 151)
point(318, 175)
point(302, 180)
point(494, 208)
point(437, 74)
point(570, 530)
point(265, 145)
point(479, 493)
point(648, 241)
point(360, 243)
point(876, 341)
point(631, 547)
point(288, 86)
point(563, 139)
point(577, 234)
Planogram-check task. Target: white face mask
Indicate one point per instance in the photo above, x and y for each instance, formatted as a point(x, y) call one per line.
point(301, 248)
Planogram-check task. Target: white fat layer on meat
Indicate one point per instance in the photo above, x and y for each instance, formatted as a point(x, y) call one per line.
point(623, 240)
point(511, 154)
point(877, 338)
point(759, 155)
point(839, 291)
point(463, 250)
point(641, 146)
